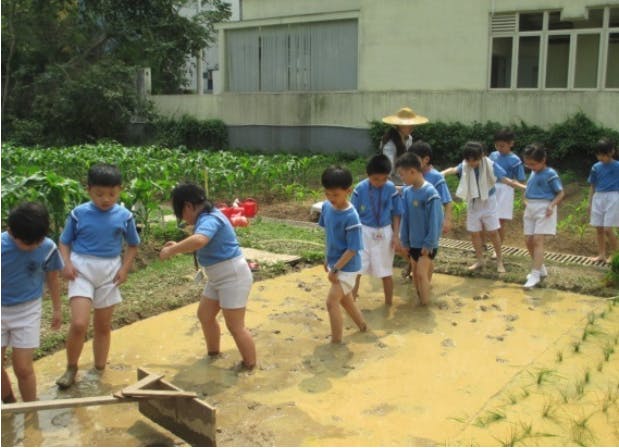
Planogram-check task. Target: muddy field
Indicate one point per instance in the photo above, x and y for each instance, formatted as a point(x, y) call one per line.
point(486, 364)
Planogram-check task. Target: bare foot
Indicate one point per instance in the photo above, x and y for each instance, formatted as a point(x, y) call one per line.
point(493, 256)
point(363, 327)
point(476, 266)
point(609, 260)
point(500, 268)
point(596, 259)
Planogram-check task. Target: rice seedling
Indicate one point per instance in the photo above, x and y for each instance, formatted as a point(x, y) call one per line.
point(579, 386)
point(543, 376)
point(549, 410)
point(489, 418)
point(603, 315)
point(591, 318)
point(600, 366)
point(580, 431)
point(565, 395)
point(608, 350)
point(517, 434)
point(609, 398)
point(525, 392)
point(576, 346)
point(587, 377)
point(559, 356)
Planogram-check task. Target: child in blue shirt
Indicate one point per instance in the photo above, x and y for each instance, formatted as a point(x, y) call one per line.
point(229, 277)
point(29, 259)
point(422, 222)
point(544, 192)
point(604, 198)
point(514, 169)
point(379, 207)
point(344, 242)
point(91, 245)
point(477, 187)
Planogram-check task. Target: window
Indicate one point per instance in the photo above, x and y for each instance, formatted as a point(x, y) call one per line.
point(295, 57)
point(540, 50)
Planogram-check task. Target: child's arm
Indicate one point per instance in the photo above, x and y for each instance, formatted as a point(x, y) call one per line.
point(53, 285)
point(558, 198)
point(339, 264)
point(447, 220)
point(123, 272)
point(395, 224)
point(513, 183)
point(448, 171)
point(68, 272)
point(188, 245)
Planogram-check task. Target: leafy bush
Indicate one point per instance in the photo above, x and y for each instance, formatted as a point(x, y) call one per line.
point(569, 143)
point(191, 133)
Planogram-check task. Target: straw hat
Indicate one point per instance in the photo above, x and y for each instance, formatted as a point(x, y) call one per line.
point(405, 117)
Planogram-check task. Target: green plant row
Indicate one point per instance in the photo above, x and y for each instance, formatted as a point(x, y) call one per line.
point(57, 176)
point(570, 143)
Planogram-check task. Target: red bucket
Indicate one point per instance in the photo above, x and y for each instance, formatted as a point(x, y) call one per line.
point(250, 206)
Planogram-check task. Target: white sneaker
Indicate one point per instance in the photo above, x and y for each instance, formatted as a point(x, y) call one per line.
point(532, 279)
point(543, 272)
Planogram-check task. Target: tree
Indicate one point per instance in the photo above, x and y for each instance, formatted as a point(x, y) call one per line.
point(69, 66)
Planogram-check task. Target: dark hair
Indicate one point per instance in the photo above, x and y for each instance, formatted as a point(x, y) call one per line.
point(189, 193)
point(378, 164)
point(104, 175)
point(473, 150)
point(605, 146)
point(29, 222)
point(336, 177)
point(394, 135)
point(504, 135)
point(409, 160)
point(422, 149)
point(535, 151)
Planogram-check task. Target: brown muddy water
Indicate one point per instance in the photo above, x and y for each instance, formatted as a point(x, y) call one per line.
point(486, 364)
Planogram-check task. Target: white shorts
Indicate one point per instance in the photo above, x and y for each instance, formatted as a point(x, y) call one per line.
point(229, 282)
point(377, 254)
point(605, 209)
point(347, 280)
point(21, 324)
point(95, 280)
point(535, 220)
point(482, 215)
point(504, 201)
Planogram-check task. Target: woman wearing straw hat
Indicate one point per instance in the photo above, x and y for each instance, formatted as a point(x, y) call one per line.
point(397, 139)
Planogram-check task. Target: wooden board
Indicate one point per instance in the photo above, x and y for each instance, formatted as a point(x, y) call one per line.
point(191, 419)
point(29, 406)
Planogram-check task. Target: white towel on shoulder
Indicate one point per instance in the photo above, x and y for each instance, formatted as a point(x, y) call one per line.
point(473, 187)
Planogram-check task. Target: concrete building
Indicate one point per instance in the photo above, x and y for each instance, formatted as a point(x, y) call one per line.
point(303, 75)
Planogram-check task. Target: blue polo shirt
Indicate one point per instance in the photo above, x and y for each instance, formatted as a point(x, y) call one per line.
point(343, 232)
point(605, 176)
point(222, 244)
point(376, 206)
point(544, 184)
point(23, 272)
point(511, 164)
point(100, 233)
point(438, 181)
point(422, 221)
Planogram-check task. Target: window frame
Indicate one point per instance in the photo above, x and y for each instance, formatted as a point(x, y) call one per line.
point(602, 59)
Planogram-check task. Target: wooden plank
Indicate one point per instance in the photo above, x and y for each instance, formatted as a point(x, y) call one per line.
point(191, 419)
point(43, 405)
point(146, 381)
point(159, 393)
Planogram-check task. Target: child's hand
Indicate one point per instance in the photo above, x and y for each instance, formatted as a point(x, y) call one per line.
point(69, 272)
point(333, 277)
point(446, 225)
point(166, 251)
point(549, 210)
point(121, 276)
point(395, 243)
point(56, 320)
